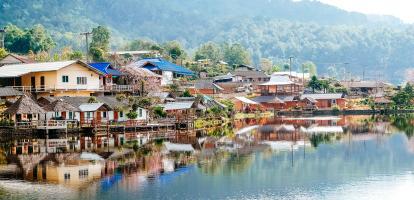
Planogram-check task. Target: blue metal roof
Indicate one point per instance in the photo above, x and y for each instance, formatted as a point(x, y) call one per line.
point(106, 68)
point(163, 65)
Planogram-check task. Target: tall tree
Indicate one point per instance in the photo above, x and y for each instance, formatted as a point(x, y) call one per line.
point(315, 84)
point(174, 50)
point(100, 43)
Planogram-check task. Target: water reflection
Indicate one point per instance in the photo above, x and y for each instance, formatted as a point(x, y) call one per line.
point(282, 158)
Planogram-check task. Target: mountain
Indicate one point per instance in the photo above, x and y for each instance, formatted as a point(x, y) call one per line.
point(276, 29)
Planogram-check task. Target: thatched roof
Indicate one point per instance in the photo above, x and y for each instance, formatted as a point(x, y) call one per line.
point(25, 105)
point(60, 106)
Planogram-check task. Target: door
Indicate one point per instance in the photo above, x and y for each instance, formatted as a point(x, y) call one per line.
point(115, 116)
point(42, 83)
point(33, 82)
point(63, 114)
point(82, 117)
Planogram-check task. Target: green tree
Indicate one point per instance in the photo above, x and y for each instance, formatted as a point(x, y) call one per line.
point(186, 93)
point(210, 51)
point(35, 39)
point(174, 50)
point(235, 54)
point(315, 84)
point(100, 43)
point(76, 55)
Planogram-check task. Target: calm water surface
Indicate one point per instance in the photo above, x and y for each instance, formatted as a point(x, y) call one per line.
point(353, 157)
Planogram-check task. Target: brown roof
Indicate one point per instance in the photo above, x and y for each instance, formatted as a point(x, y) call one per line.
point(249, 74)
point(22, 59)
point(59, 106)
point(24, 105)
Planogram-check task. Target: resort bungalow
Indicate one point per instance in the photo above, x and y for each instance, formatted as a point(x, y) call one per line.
point(169, 71)
point(117, 109)
point(277, 102)
point(323, 101)
point(60, 110)
point(180, 109)
point(66, 78)
point(280, 85)
point(93, 113)
point(24, 109)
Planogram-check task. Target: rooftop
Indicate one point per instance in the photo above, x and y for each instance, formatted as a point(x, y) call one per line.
point(278, 80)
point(9, 92)
point(322, 96)
point(161, 64)
point(105, 68)
point(183, 105)
point(249, 74)
point(17, 70)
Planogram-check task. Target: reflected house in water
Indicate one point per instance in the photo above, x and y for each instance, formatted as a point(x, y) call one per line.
point(74, 172)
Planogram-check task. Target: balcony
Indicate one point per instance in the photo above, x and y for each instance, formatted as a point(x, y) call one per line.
point(46, 88)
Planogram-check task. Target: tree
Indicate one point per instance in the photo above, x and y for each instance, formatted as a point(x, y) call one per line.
point(92, 100)
point(174, 50)
point(235, 54)
point(404, 97)
point(315, 84)
point(100, 43)
point(132, 115)
point(76, 55)
point(210, 51)
point(143, 44)
point(35, 39)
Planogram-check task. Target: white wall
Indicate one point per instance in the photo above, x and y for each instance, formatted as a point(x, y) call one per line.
point(76, 70)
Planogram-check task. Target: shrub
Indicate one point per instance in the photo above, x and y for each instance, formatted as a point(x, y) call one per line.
point(132, 115)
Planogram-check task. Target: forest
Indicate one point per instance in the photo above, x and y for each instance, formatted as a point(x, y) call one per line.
point(340, 43)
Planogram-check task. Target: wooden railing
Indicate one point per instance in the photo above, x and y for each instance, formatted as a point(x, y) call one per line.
point(119, 88)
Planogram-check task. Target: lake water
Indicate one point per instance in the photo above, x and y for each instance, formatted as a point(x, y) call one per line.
point(352, 157)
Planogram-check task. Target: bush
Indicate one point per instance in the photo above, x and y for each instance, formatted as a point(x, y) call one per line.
point(132, 115)
point(159, 112)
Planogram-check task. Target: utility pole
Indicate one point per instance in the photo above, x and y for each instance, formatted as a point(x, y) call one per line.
point(290, 66)
point(86, 34)
point(3, 34)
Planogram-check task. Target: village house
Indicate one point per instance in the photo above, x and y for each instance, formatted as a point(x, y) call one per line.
point(110, 110)
point(24, 110)
point(169, 71)
point(279, 102)
point(65, 78)
point(323, 101)
point(243, 104)
point(280, 85)
point(366, 88)
point(206, 87)
point(110, 77)
point(15, 59)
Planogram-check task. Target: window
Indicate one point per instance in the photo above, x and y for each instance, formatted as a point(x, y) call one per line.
point(103, 114)
point(70, 115)
point(121, 114)
point(88, 115)
point(65, 79)
point(81, 80)
point(140, 112)
point(67, 176)
point(83, 173)
point(333, 101)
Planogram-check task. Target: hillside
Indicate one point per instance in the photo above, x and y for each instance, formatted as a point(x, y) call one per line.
point(274, 29)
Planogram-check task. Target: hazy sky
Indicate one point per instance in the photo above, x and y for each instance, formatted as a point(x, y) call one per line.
point(399, 8)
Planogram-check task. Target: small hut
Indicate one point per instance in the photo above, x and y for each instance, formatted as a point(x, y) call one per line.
point(60, 109)
point(24, 109)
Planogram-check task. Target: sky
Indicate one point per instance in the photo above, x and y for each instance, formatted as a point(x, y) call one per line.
point(402, 9)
